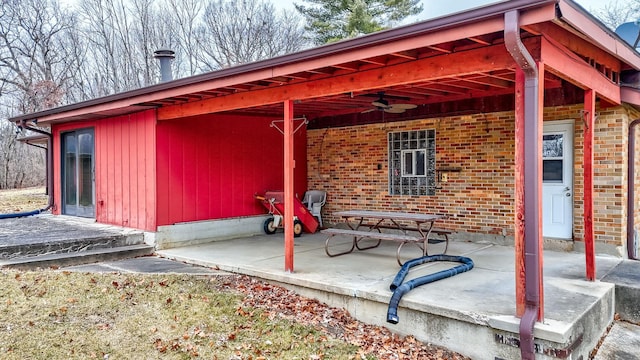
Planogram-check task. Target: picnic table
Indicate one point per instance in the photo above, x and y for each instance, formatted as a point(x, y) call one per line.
point(415, 228)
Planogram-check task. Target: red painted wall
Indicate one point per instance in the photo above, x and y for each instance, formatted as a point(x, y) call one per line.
point(124, 169)
point(209, 167)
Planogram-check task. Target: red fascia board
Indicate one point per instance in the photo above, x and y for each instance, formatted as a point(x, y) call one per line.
point(630, 95)
point(473, 22)
point(574, 15)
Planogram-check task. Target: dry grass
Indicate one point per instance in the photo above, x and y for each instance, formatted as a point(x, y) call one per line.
point(21, 200)
point(64, 315)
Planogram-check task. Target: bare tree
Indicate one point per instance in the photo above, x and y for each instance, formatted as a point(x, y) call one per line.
point(21, 165)
point(184, 17)
point(50, 56)
point(34, 63)
point(237, 32)
point(615, 13)
point(36, 66)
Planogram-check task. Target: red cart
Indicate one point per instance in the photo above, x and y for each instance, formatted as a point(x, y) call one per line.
point(273, 201)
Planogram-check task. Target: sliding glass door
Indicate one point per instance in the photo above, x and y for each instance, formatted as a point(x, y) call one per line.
point(78, 182)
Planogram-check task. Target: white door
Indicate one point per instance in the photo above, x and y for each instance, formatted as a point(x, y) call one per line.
point(557, 180)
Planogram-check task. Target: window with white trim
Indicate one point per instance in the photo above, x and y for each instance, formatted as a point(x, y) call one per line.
point(412, 162)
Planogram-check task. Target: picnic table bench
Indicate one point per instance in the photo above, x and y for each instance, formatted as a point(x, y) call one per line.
point(423, 225)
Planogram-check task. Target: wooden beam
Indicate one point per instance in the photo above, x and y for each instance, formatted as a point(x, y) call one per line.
point(289, 164)
point(589, 243)
point(566, 65)
point(578, 44)
point(490, 58)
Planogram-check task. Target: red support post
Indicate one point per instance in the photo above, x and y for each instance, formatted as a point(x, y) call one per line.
point(589, 123)
point(289, 164)
point(519, 193)
point(541, 76)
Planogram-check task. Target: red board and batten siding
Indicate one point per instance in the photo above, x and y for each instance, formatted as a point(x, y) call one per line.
point(125, 165)
point(210, 166)
point(125, 169)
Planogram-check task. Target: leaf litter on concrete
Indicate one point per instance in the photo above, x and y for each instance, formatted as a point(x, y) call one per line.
point(66, 315)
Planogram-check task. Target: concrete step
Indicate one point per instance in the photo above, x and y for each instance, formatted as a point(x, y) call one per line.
point(78, 257)
point(69, 245)
point(626, 276)
point(622, 342)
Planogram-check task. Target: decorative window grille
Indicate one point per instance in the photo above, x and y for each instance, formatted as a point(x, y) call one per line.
point(412, 162)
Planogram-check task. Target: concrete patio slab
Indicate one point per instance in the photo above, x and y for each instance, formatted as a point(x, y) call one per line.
point(472, 313)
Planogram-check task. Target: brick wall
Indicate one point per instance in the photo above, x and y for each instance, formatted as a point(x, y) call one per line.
point(350, 163)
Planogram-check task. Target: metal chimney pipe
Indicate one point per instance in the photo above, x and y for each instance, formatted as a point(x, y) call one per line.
point(165, 56)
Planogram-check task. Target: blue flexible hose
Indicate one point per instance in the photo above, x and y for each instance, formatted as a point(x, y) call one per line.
point(21, 214)
point(400, 289)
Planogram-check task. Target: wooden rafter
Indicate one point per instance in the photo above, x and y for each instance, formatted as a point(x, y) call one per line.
point(457, 64)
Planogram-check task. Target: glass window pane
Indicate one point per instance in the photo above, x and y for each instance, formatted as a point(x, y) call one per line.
point(86, 143)
point(552, 170)
point(420, 163)
point(552, 145)
point(408, 163)
point(70, 170)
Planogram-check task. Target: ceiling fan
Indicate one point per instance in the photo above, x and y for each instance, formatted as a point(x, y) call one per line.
point(383, 104)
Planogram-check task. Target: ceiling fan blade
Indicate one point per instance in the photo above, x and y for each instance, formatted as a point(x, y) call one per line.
point(394, 110)
point(404, 106)
point(367, 111)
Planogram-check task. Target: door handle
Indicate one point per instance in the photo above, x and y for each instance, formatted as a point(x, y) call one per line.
point(566, 189)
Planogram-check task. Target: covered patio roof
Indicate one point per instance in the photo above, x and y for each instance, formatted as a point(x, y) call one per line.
point(453, 64)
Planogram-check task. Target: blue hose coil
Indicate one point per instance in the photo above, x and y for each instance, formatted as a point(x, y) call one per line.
point(399, 289)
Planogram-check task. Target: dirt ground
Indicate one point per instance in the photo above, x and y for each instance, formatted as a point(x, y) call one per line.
point(21, 200)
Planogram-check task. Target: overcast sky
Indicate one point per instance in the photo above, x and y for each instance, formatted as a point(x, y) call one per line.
point(435, 8)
